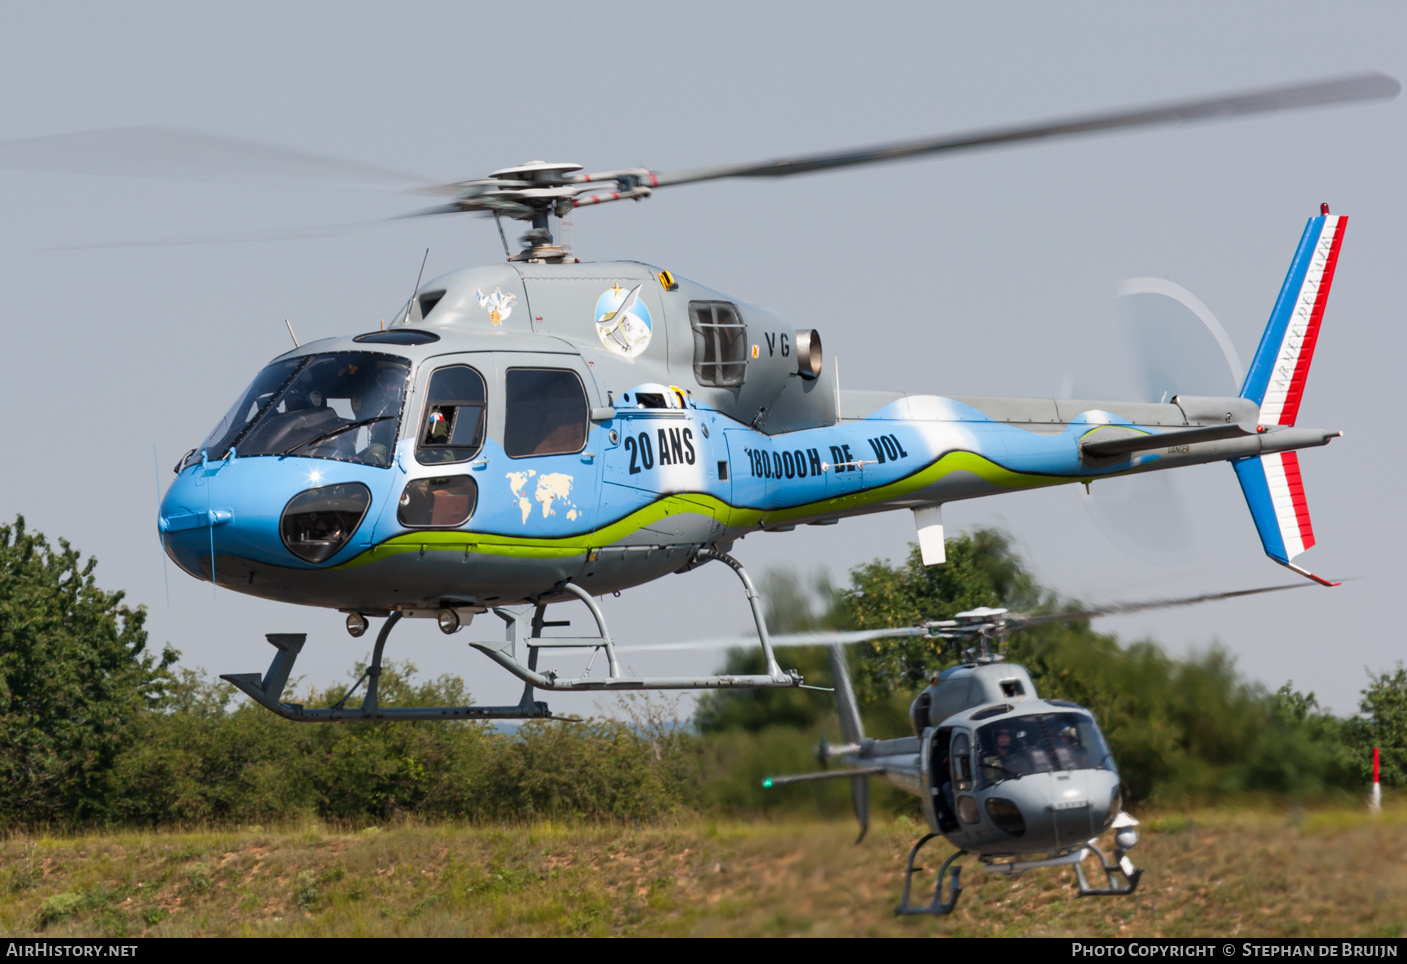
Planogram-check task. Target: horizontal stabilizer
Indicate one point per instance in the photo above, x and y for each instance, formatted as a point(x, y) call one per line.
point(1128, 444)
point(846, 774)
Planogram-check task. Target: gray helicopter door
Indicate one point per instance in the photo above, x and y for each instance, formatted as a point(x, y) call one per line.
point(964, 782)
point(937, 770)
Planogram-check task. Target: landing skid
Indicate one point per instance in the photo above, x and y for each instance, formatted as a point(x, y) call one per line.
point(1121, 866)
point(523, 638)
point(938, 907)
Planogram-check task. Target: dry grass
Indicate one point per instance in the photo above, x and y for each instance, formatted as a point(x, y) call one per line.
point(1221, 873)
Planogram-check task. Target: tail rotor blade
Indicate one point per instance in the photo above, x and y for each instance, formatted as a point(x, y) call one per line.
point(860, 797)
point(1175, 345)
point(846, 704)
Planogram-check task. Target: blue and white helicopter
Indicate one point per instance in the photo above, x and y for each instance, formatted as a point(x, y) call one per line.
point(548, 430)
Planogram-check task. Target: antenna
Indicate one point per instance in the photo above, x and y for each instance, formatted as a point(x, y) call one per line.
point(417, 286)
point(289, 325)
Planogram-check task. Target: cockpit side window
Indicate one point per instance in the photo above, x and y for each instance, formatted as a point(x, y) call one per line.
point(720, 344)
point(453, 427)
point(546, 412)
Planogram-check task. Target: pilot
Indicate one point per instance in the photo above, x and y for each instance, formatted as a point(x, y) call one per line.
point(305, 414)
point(376, 397)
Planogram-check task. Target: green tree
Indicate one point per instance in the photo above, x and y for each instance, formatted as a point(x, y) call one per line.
point(74, 674)
point(791, 606)
point(1383, 724)
point(981, 570)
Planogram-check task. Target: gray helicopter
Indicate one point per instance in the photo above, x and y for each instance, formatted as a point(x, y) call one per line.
point(1013, 779)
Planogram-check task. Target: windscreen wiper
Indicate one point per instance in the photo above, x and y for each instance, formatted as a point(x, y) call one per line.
point(334, 432)
point(998, 766)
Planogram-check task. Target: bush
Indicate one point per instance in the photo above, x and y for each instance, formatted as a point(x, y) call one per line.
point(200, 761)
point(74, 678)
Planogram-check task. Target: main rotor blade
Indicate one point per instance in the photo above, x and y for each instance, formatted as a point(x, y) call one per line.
point(1368, 86)
point(1124, 609)
point(817, 638)
point(176, 154)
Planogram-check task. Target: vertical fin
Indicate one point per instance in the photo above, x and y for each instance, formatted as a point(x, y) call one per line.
point(1271, 483)
point(1280, 368)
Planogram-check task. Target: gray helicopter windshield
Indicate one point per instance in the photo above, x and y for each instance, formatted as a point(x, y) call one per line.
point(1040, 743)
point(342, 405)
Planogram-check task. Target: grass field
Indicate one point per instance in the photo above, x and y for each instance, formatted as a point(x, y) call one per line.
point(1330, 872)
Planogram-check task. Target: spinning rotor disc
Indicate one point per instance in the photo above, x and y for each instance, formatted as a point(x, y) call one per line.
point(535, 190)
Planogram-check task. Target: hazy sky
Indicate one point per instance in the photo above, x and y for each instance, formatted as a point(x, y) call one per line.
point(991, 273)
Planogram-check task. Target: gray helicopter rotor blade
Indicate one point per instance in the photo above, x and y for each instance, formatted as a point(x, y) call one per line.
point(1124, 609)
point(173, 153)
point(817, 638)
point(1359, 87)
point(277, 234)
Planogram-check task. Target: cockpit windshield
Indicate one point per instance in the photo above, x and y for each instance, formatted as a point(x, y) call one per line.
point(342, 405)
point(1040, 743)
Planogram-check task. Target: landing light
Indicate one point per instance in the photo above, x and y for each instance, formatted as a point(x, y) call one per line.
point(449, 621)
point(356, 625)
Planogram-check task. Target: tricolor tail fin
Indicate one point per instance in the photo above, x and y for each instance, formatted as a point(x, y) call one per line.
point(1271, 483)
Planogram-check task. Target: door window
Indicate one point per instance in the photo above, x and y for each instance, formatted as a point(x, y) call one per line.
point(962, 762)
point(546, 412)
point(455, 408)
point(440, 502)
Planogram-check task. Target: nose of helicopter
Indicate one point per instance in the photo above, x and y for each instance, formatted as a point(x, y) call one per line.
point(1055, 811)
point(291, 512)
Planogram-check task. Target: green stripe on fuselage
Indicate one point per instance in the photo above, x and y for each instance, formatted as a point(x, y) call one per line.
point(527, 547)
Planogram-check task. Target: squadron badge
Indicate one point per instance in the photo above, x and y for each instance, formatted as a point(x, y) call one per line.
point(499, 305)
point(623, 321)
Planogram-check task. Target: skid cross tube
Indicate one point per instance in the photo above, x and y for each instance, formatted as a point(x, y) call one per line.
point(268, 690)
point(523, 635)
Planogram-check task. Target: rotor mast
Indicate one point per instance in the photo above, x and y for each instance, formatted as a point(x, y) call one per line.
point(537, 190)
